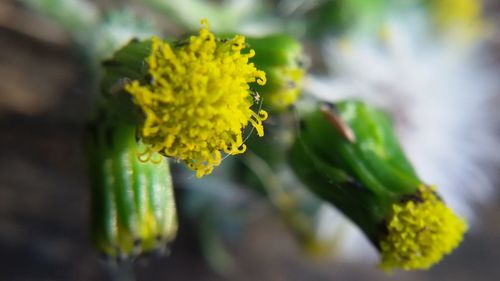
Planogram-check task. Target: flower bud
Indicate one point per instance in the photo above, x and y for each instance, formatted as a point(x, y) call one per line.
point(281, 58)
point(133, 205)
point(348, 155)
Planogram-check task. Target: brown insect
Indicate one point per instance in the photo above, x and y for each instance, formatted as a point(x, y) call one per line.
point(336, 121)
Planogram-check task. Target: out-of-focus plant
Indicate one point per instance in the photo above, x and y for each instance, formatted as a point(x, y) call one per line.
point(348, 155)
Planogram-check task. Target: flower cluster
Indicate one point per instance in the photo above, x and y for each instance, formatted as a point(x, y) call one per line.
point(198, 99)
point(420, 231)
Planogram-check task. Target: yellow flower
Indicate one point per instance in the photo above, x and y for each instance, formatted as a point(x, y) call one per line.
point(420, 232)
point(198, 99)
point(460, 17)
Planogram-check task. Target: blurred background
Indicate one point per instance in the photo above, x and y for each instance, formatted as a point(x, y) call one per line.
point(46, 91)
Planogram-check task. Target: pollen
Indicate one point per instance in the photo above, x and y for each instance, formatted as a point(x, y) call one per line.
point(197, 100)
point(420, 232)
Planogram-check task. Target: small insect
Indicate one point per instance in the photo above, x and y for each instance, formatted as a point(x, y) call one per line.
point(256, 96)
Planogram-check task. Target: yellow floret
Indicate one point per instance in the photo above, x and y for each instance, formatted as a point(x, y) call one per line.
point(420, 232)
point(198, 100)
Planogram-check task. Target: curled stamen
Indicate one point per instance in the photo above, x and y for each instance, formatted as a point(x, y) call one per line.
point(147, 154)
point(241, 149)
point(257, 123)
point(263, 115)
point(156, 158)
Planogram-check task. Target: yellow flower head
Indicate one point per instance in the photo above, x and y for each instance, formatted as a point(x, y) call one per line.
point(420, 232)
point(198, 100)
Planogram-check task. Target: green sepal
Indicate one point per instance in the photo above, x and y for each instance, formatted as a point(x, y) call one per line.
point(133, 205)
point(275, 50)
point(126, 64)
point(361, 177)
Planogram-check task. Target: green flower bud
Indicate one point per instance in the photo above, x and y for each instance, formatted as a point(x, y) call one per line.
point(348, 155)
point(133, 205)
point(281, 58)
